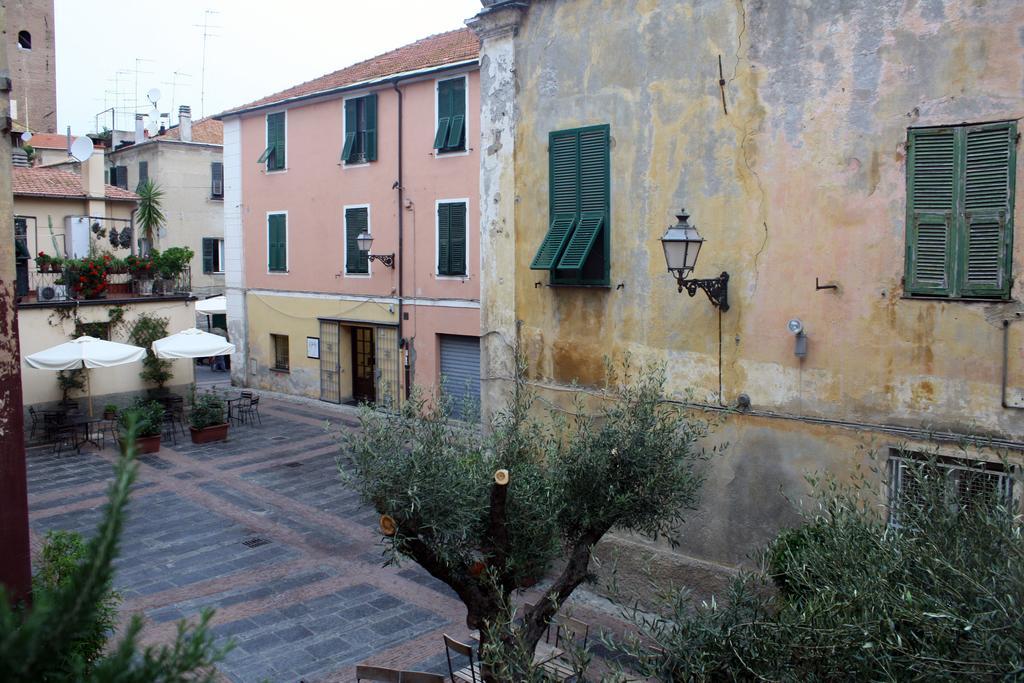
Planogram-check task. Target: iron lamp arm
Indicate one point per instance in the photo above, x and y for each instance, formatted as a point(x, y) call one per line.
point(716, 288)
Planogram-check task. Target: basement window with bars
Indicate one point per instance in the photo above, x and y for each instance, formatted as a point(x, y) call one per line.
point(360, 130)
point(966, 483)
point(279, 342)
point(960, 186)
point(577, 247)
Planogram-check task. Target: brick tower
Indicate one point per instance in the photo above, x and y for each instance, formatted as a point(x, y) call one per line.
point(32, 57)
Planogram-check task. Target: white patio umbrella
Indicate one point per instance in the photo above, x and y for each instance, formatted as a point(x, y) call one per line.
point(192, 343)
point(85, 353)
point(213, 305)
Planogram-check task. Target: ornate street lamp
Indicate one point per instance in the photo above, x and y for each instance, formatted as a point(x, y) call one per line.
point(364, 240)
point(682, 244)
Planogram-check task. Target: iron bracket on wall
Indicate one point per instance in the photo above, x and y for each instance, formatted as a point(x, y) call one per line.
point(716, 288)
point(387, 259)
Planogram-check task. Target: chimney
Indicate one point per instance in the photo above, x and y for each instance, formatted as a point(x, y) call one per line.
point(92, 176)
point(185, 123)
point(140, 129)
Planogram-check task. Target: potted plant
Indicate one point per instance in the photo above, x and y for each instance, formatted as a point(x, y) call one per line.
point(149, 416)
point(91, 281)
point(141, 268)
point(169, 264)
point(109, 411)
point(207, 420)
point(68, 381)
point(43, 262)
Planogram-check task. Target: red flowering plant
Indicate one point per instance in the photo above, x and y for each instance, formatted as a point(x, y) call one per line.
point(89, 276)
point(141, 267)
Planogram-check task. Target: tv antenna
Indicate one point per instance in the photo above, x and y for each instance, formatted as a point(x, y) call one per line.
point(137, 71)
point(202, 79)
point(174, 89)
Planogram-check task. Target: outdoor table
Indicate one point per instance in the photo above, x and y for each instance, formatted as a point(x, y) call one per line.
point(84, 423)
point(230, 403)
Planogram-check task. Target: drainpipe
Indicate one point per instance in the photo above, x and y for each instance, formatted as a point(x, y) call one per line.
point(403, 345)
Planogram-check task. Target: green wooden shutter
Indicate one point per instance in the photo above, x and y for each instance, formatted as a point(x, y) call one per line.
point(444, 114)
point(986, 246)
point(563, 188)
point(582, 240)
point(931, 207)
point(458, 239)
point(457, 107)
point(143, 172)
point(444, 239)
point(276, 141)
point(209, 245)
point(277, 243)
point(356, 261)
point(554, 242)
point(371, 126)
point(217, 179)
point(350, 131)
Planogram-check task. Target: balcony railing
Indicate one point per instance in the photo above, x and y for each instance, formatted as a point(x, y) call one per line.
point(55, 287)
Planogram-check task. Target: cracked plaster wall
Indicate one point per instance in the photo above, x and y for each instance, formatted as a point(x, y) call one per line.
point(803, 178)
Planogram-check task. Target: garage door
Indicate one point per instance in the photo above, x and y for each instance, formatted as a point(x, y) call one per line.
point(460, 371)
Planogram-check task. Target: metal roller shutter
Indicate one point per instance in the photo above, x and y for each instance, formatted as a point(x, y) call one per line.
point(460, 370)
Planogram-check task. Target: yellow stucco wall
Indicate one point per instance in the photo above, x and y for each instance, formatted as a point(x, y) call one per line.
point(42, 208)
point(43, 327)
point(803, 177)
point(298, 317)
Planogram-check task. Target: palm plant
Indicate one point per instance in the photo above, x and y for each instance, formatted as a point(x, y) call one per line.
point(150, 214)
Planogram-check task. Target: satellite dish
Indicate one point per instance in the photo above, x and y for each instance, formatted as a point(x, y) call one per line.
point(81, 149)
point(26, 136)
point(153, 95)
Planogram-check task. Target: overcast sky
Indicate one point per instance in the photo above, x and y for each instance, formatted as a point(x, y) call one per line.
point(258, 47)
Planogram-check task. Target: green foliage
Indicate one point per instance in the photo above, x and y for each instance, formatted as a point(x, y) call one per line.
point(631, 465)
point(63, 552)
point(147, 415)
point(149, 215)
point(70, 380)
point(854, 598)
point(172, 261)
point(146, 330)
point(110, 408)
point(43, 643)
point(208, 410)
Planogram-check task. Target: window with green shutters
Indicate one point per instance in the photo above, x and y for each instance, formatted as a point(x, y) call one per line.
point(277, 243)
point(357, 220)
point(143, 172)
point(577, 246)
point(960, 185)
point(450, 135)
point(274, 154)
point(213, 255)
point(451, 238)
point(360, 144)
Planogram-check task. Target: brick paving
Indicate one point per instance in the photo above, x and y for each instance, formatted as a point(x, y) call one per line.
point(305, 599)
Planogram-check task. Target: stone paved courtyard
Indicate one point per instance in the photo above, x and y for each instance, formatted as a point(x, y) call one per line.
point(261, 529)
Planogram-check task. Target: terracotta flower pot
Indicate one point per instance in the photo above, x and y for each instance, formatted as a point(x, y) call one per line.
point(147, 444)
point(209, 434)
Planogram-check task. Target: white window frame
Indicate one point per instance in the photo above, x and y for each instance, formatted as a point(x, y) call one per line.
point(437, 240)
point(437, 90)
point(287, 244)
point(266, 138)
point(344, 240)
point(220, 250)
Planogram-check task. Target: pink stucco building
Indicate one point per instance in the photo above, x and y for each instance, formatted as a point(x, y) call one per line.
point(386, 148)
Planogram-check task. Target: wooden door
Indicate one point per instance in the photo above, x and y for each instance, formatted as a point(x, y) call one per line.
point(363, 365)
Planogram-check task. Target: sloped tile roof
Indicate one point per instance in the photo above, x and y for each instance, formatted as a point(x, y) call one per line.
point(50, 141)
point(452, 47)
point(52, 182)
point(208, 130)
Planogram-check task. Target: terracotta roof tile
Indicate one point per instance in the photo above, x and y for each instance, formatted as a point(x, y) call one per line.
point(50, 141)
point(52, 182)
point(444, 48)
point(208, 130)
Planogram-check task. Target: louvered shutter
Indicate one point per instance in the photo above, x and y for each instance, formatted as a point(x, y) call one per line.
point(563, 181)
point(350, 131)
point(444, 114)
point(931, 188)
point(217, 179)
point(356, 261)
point(444, 252)
point(457, 107)
point(371, 126)
point(277, 256)
point(582, 240)
point(593, 198)
point(209, 245)
point(987, 236)
point(457, 239)
point(276, 141)
point(143, 171)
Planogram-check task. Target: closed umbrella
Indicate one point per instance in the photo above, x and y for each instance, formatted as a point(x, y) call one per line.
point(212, 306)
point(192, 343)
point(85, 353)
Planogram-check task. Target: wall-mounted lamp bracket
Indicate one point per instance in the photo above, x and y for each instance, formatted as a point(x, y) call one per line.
point(387, 259)
point(819, 286)
point(716, 288)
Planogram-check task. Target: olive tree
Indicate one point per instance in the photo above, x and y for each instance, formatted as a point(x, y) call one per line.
point(490, 512)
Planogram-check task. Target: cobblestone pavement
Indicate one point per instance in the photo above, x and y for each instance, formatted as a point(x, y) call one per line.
point(261, 529)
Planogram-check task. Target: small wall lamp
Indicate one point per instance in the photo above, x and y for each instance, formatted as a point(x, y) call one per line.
point(365, 240)
point(800, 345)
point(682, 244)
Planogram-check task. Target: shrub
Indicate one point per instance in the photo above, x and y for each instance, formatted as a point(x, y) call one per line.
point(70, 380)
point(149, 415)
point(146, 330)
point(208, 410)
point(855, 598)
